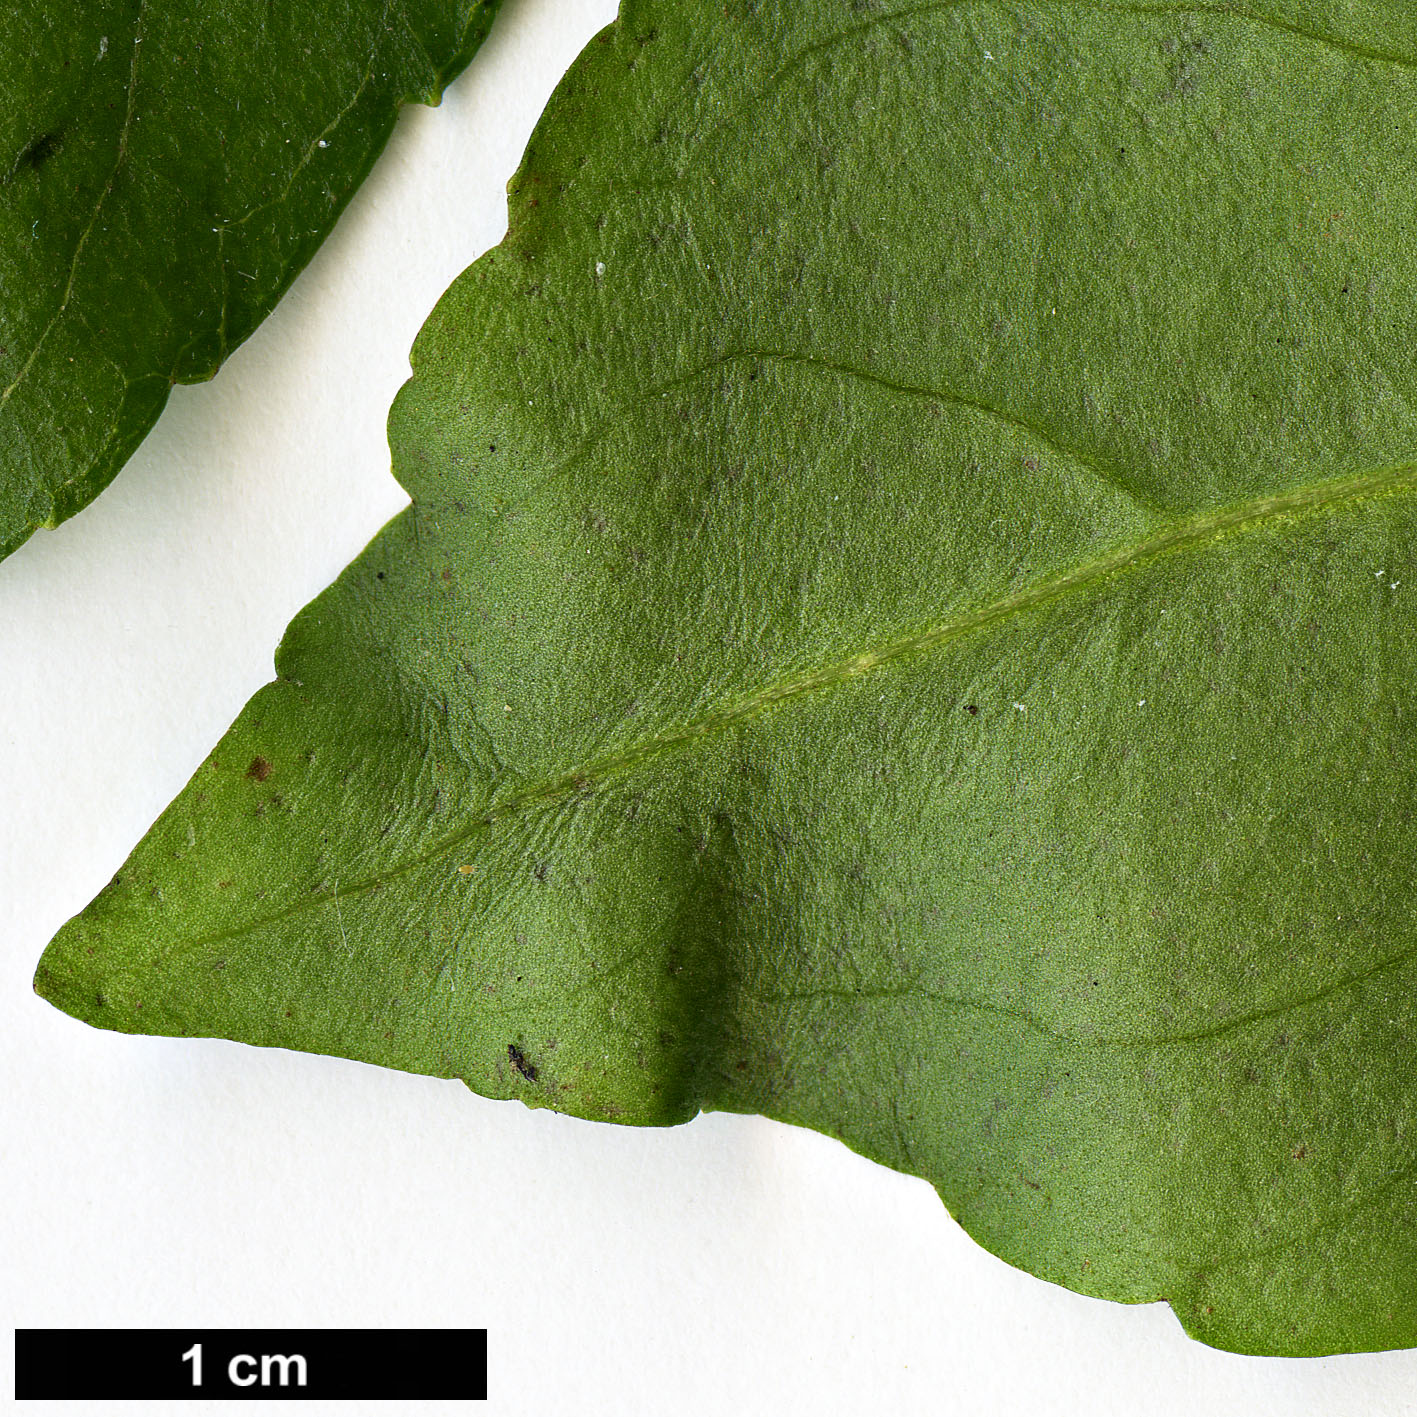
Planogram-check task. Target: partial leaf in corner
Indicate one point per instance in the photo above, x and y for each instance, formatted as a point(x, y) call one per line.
point(166, 171)
point(907, 625)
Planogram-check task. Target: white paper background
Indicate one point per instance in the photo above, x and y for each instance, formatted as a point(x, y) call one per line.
point(730, 1266)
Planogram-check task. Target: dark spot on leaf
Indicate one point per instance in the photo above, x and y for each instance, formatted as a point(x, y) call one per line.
point(35, 154)
point(971, 708)
point(517, 1059)
point(259, 770)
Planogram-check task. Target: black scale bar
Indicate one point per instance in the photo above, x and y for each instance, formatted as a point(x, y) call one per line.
point(417, 1365)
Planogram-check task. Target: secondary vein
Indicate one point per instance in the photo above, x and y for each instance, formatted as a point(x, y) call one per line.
point(1111, 477)
point(103, 196)
point(700, 142)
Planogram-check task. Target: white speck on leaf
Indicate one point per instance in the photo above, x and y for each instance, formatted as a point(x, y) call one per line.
point(103, 46)
point(600, 268)
point(1022, 708)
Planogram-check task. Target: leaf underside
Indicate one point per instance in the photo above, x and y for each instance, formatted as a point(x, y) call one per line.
point(165, 172)
point(905, 626)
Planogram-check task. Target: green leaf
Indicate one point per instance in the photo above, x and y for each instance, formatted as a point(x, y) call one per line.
point(165, 172)
point(906, 626)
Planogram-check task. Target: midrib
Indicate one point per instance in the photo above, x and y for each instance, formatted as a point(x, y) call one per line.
point(1179, 535)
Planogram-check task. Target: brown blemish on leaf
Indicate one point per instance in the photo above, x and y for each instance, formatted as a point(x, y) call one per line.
point(259, 770)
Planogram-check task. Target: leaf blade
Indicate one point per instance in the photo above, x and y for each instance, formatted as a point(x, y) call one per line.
point(152, 222)
point(816, 679)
